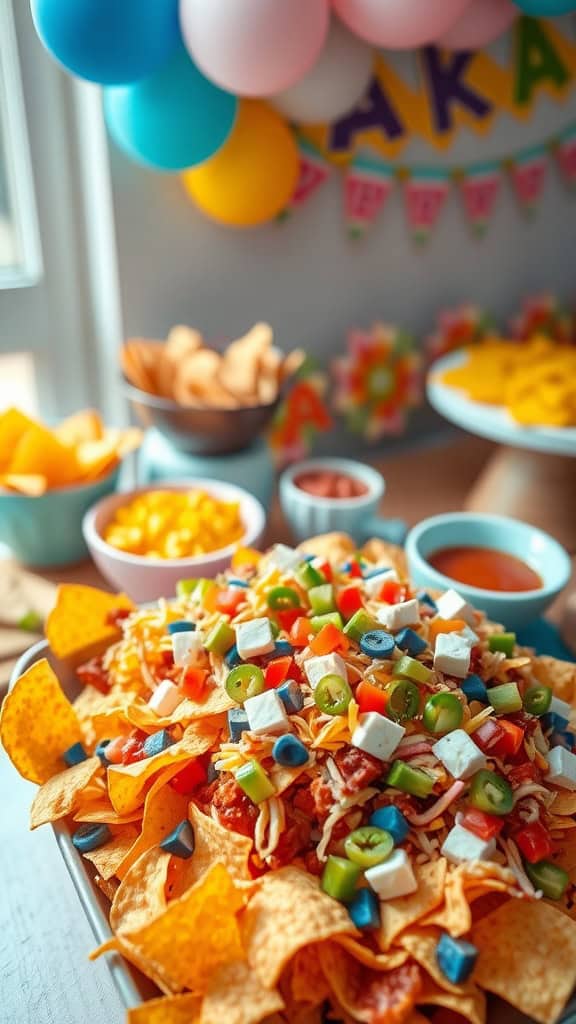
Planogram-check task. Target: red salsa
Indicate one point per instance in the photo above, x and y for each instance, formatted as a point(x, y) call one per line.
point(327, 483)
point(485, 568)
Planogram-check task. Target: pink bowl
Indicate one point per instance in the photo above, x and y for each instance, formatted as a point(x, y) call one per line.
point(146, 579)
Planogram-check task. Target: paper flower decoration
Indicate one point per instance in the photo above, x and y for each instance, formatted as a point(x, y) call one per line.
point(301, 416)
point(378, 381)
point(543, 314)
point(464, 325)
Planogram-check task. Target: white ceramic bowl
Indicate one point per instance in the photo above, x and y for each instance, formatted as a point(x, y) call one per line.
point(146, 579)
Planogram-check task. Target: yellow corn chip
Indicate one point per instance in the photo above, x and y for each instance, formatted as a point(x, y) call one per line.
point(377, 961)
point(168, 1010)
point(79, 622)
point(421, 944)
point(59, 795)
point(559, 675)
point(142, 717)
point(163, 810)
point(38, 724)
point(95, 458)
point(471, 1007)
point(107, 858)
point(307, 916)
point(398, 914)
point(480, 877)
point(307, 979)
point(235, 995)
point(38, 451)
point(141, 896)
point(527, 956)
point(102, 811)
point(212, 844)
point(13, 425)
point(370, 995)
point(30, 484)
point(564, 803)
point(82, 426)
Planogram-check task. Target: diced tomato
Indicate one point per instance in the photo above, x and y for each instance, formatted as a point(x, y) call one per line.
point(132, 750)
point(301, 632)
point(534, 842)
point(511, 742)
point(486, 826)
point(189, 778)
point(229, 600)
point(167, 659)
point(287, 618)
point(349, 601)
point(326, 569)
point(488, 735)
point(194, 682)
point(392, 592)
point(93, 673)
point(234, 810)
point(357, 768)
point(355, 569)
point(329, 639)
point(522, 773)
point(370, 697)
point(116, 615)
point(277, 671)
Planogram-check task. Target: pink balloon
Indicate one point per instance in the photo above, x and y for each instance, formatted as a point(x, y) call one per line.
point(400, 24)
point(482, 22)
point(254, 47)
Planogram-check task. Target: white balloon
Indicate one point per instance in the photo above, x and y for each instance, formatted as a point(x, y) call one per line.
point(335, 84)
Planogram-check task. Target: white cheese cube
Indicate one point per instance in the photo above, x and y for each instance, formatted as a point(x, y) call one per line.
point(560, 708)
point(283, 558)
point(562, 767)
point(469, 635)
point(266, 713)
point(396, 616)
point(461, 845)
point(254, 638)
point(166, 698)
point(459, 754)
point(373, 583)
point(186, 647)
point(394, 877)
point(326, 665)
point(452, 655)
point(451, 605)
point(377, 735)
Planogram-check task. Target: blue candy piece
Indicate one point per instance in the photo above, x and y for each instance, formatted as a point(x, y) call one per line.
point(474, 688)
point(234, 582)
point(237, 723)
point(456, 958)
point(75, 754)
point(91, 837)
point(180, 842)
point(553, 721)
point(391, 820)
point(371, 573)
point(291, 696)
point(101, 751)
point(408, 640)
point(425, 598)
point(282, 648)
point(562, 739)
point(157, 742)
point(365, 909)
point(182, 626)
point(309, 558)
point(232, 658)
point(377, 644)
point(289, 751)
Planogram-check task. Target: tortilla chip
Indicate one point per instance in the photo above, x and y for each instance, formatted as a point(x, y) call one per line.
point(102, 811)
point(335, 547)
point(397, 915)
point(235, 995)
point(560, 675)
point(369, 995)
point(60, 795)
point(167, 1010)
point(455, 916)
point(96, 458)
point(307, 916)
point(126, 783)
point(108, 887)
point(30, 484)
point(13, 425)
point(164, 808)
point(213, 844)
point(108, 858)
point(307, 979)
point(527, 955)
point(376, 961)
point(78, 622)
point(85, 425)
point(38, 724)
point(421, 944)
point(471, 1007)
point(142, 717)
point(382, 553)
point(564, 803)
point(38, 451)
point(141, 896)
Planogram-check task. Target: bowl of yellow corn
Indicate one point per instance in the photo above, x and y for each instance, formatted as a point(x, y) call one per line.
point(145, 540)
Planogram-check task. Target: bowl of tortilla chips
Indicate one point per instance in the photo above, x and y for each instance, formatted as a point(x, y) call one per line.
point(50, 477)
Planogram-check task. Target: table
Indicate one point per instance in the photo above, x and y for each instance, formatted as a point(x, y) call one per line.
point(44, 936)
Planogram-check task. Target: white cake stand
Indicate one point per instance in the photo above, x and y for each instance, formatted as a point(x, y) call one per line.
point(533, 476)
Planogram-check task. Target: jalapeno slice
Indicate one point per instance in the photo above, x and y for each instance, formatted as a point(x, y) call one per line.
point(537, 700)
point(491, 793)
point(244, 681)
point(403, 700)
point(332, 695)
point(280, 599)
point(368, 846)
point(442, 713)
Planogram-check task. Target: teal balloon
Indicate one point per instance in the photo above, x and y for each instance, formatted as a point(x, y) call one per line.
point(172, 120)
point(546, 8)
point(111, 42)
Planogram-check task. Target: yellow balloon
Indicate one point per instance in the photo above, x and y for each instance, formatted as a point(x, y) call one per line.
point(252, 177)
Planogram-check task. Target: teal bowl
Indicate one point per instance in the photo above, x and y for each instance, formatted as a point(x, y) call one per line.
point(46, 531)
point(534, 547)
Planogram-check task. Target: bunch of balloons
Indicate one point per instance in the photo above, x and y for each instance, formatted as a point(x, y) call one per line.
point(185, 81)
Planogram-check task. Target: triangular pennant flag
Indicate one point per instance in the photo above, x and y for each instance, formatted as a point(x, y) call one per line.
point(367, 185)
point(528, 175)
point(425, 193)
point(480, 186)
point(314, 171)
point(566, 155)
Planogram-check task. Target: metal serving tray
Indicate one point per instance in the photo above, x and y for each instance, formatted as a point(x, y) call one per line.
point(133, 987)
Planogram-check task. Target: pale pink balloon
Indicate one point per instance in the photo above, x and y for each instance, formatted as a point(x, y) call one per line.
point(254, 47)
point(482, 22)
point(400, 24)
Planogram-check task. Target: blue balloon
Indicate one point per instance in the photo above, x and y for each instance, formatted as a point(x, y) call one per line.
point(173, 120)
point(112, 42)
point(546, 8)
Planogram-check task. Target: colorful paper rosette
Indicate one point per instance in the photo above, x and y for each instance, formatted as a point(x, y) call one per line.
point(464, 325)
point(378, 381)
point(303, 414)
point(543, 314)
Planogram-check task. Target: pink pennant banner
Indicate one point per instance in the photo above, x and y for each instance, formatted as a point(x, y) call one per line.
point(566, 156)
point(529, 177)
point(314, 171)
point(479, 188)
point(425, 193)
point(367, 185)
